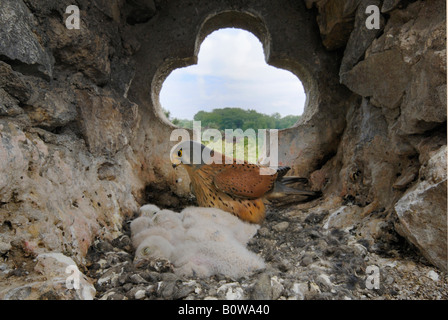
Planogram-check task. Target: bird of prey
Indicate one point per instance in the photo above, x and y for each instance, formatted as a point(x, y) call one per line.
point(235, 187)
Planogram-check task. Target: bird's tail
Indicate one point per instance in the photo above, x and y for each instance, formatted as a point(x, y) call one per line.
point(291, 180)
point(282, 171)
point(281, 189)
point(289, 190)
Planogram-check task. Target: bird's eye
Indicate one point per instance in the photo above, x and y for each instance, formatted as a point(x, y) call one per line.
point(179, 153)
point(146, 251)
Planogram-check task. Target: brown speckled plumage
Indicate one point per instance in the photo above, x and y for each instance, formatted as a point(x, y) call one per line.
point(235, 188)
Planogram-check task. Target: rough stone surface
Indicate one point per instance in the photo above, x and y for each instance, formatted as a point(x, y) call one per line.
point(13, 83)
point(389, 5)
point(18, 42)
point(55, 271)
point(81, 50)
point(422, 211)
point(335, 20)
point(9, 106)
point(360, 38)
point(100, 115)
point(50, 106)
point(367, 78)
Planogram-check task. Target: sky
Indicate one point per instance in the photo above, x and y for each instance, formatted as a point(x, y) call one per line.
point(231, 72)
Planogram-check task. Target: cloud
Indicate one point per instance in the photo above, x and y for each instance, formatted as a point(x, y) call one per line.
point(232, 72)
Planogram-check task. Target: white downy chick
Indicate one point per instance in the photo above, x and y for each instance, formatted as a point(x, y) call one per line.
point(139, 224)
point(198, 242)
point(173, 235)
point(238, 229)
point(167, 219)
point(154, 247)
point(148, 210)
point(208, 258)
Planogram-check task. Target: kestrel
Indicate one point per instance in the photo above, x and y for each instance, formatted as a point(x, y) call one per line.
point(238, 188)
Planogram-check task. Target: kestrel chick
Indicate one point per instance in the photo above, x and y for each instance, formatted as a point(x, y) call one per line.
point(238, 188)
point(153, 247)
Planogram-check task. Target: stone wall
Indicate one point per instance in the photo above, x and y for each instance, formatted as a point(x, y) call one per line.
point(83, 139)
point(397, 128)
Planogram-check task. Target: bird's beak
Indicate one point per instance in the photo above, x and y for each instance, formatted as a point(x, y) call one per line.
point(175, 165)
point(140, 262)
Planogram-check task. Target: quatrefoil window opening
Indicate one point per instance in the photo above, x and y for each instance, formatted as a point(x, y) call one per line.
point(231, 73)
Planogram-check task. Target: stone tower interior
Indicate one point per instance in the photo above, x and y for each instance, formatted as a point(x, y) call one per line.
point(84, 142)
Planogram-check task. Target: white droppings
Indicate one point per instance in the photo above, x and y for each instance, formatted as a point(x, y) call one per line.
point(433, 275)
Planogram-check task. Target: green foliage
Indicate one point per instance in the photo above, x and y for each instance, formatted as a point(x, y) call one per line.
point(233, 118)
point(183, 123)
point(232, 148)
point(166, 113)
point(237, 118)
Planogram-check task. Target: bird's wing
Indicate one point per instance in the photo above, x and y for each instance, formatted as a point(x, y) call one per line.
point(244, 181)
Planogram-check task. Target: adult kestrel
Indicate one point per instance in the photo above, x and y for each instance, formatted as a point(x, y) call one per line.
point(238, 188)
